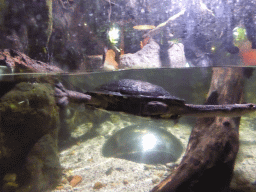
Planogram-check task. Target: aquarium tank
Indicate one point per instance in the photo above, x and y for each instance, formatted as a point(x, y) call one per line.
point(127, 95)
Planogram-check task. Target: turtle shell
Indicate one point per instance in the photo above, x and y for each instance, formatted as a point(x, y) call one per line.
point(134, 88)
point(131, 96)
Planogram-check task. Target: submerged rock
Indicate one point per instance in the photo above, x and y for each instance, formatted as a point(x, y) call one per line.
point(29, 132)
point(149, 57)
point(42, 170)
point(145, 144)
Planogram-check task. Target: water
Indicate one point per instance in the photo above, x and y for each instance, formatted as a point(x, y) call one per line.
point(30, 114)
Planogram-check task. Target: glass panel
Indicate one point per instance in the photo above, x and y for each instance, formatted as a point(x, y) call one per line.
point(108, 94)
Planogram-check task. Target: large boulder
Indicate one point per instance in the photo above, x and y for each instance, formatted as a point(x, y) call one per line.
point(28, 138)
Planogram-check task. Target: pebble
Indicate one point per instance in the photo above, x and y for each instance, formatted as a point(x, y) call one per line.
point(10, 177)
point(155, 179)
point(109, 171)
point(98, 185)
point(125, 181)
point(75, 180)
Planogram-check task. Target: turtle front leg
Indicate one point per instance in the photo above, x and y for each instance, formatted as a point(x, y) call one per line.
point(64, 96)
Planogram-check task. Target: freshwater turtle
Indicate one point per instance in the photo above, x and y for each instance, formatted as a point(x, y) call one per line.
point(146, 99)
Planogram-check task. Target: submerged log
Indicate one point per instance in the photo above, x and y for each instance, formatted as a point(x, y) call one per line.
point(213, 145)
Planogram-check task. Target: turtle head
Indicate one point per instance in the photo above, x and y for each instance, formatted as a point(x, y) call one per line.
point(159, 109)
point(154, 108)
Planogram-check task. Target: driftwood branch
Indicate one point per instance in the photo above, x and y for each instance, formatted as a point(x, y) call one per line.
point(201, 8)
point(161, 26)
point(213, 145)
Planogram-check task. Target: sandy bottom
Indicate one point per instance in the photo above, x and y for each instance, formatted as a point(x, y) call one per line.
point(112, 174)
